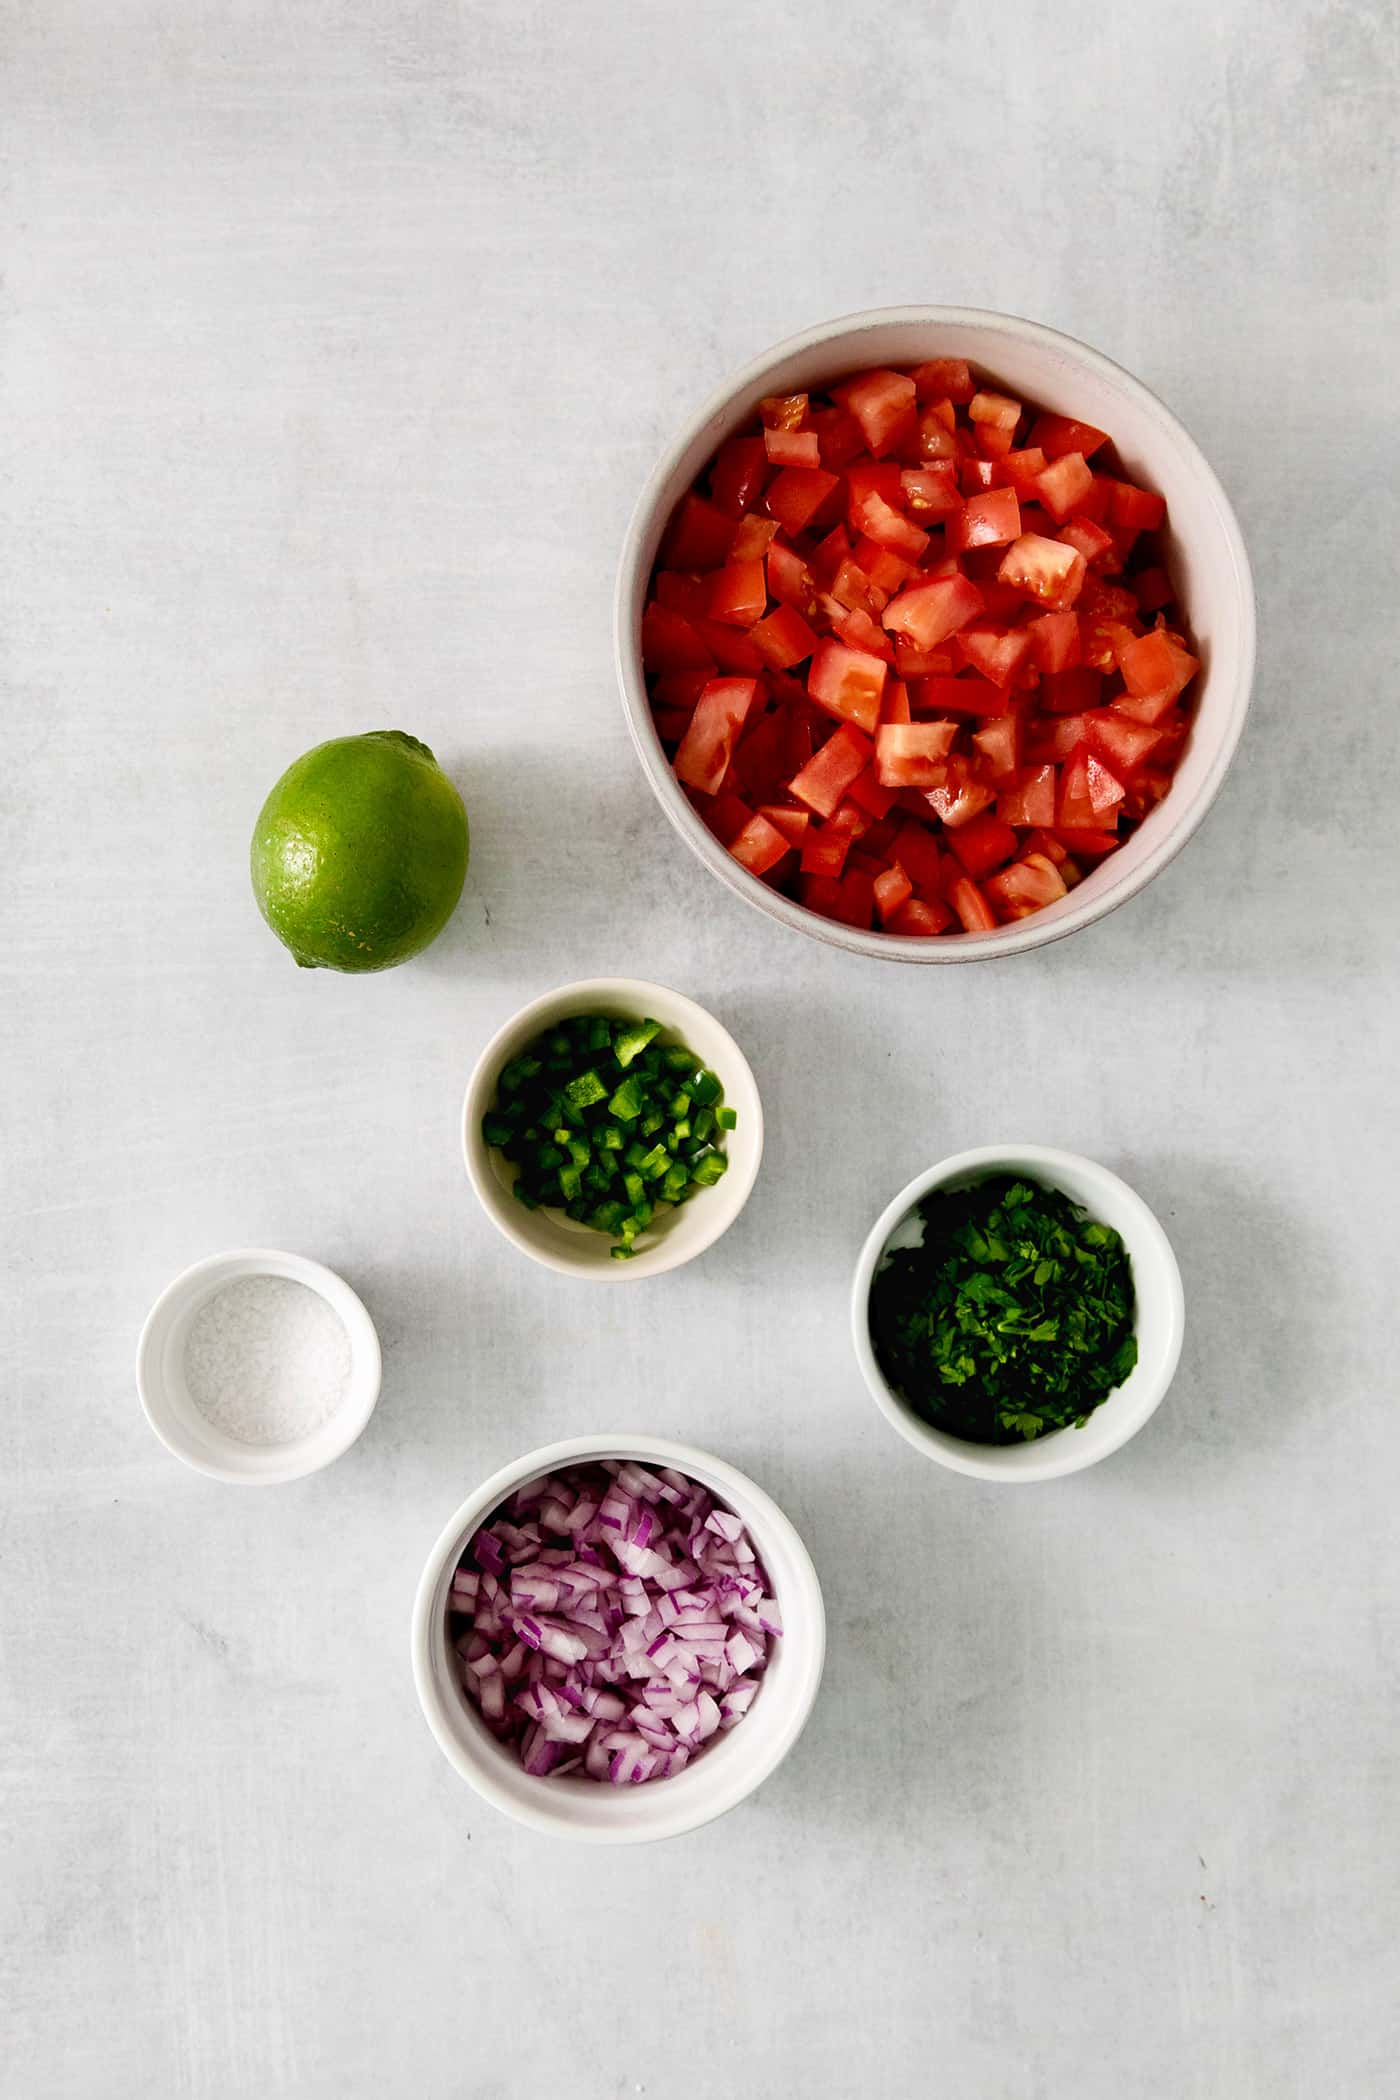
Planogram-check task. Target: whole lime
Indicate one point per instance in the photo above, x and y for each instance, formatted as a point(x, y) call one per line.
point(360, 852)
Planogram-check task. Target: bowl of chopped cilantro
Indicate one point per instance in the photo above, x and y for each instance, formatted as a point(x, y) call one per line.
point(1018, 1312)
point(612, 1129)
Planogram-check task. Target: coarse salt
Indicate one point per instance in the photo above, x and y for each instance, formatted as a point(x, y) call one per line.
point(266, 1360)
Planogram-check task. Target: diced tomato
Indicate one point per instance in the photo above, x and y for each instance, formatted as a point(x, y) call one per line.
point(738, 474)
point(998, 744)
point(918, 916)
point(867, 793)
point(923, 663)
point(993, 651)
point(917, 853)
point(927, 613)
point(1051, 739)
point(708, 744)
point(752, 538)
point(983, 844)
point(848, 816)
point(1045, 570)
point(1152, 588)
point(670, 643)
point(934, 440)
point(1153, 662)
point(1058, 435)
point(855, 899)
point(671, 722)
point(1031, 800)
point(838, 435)
point(944, 379)
point(851, 587)
point(1054, 640)
point(912, 754)
point(848, 683)
point(1002, 605)
point(883, 478)
point(679, 689)
point(1064, 485)
point(1146, 707)
point(797, 495)
point(792, 448)
point(1070, 692)
point(724, 814)
point(989, 520)
point(967, 694)
point(790, 581)
point(1123, 745)
point(698, 536)
point(1091, 843)
point(730, 647)
point(888, 527)
point(1027, 885)
point(858, 631)
point(971, 906)
point(1137, 510)
point(997, 409)
point(885, 570)
point(1148, 792)
point(829, 772)
point(1089, 794)
point(881, 402)
point(1045, 842)
point(1020, 471)
point(783, 411)
point(792, 823)
point(900, 553)
point(759, 846)
point(738, 593)
point(1093, 543)
point(1101, 639)
point(687, 595)
point(960, 798)
point(784, 638)
point(827, 556)
point(821, 894)
point(992, 441)
point(892, 889)
point(977, 476)
point(825, 848)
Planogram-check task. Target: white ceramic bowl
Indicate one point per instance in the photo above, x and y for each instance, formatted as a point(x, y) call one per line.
point(165, 1395)
point(732, 1766)
point(1161, 1314)
point(1055, 372)
point(679, 1233)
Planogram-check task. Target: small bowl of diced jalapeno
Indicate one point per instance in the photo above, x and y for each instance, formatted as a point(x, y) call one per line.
point(612, 1128)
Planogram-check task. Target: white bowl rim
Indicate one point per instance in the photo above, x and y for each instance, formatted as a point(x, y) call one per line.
point(1025, 934)
point(1054, 1456)
point(733, 1190)
point(301, 1457)
point(652, 1822)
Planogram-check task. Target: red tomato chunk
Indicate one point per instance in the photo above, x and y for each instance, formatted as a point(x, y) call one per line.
point(915, 650)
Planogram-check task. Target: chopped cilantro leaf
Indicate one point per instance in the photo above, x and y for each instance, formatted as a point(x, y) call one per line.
point(1014, 1316)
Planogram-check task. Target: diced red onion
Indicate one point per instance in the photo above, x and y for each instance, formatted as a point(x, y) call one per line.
point(617, 1619)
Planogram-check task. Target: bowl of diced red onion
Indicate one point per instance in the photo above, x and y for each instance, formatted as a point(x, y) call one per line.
point(617, 1639)
point(935, 633)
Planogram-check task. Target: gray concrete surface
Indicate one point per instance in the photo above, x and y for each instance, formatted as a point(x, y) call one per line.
point(337, 342)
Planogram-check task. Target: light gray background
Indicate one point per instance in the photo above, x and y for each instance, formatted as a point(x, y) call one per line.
point(338, 340)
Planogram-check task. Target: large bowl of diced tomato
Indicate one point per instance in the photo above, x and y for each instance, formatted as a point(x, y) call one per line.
point(935, 632)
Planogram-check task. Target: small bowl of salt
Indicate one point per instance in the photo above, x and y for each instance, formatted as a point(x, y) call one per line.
point(258, 1367)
